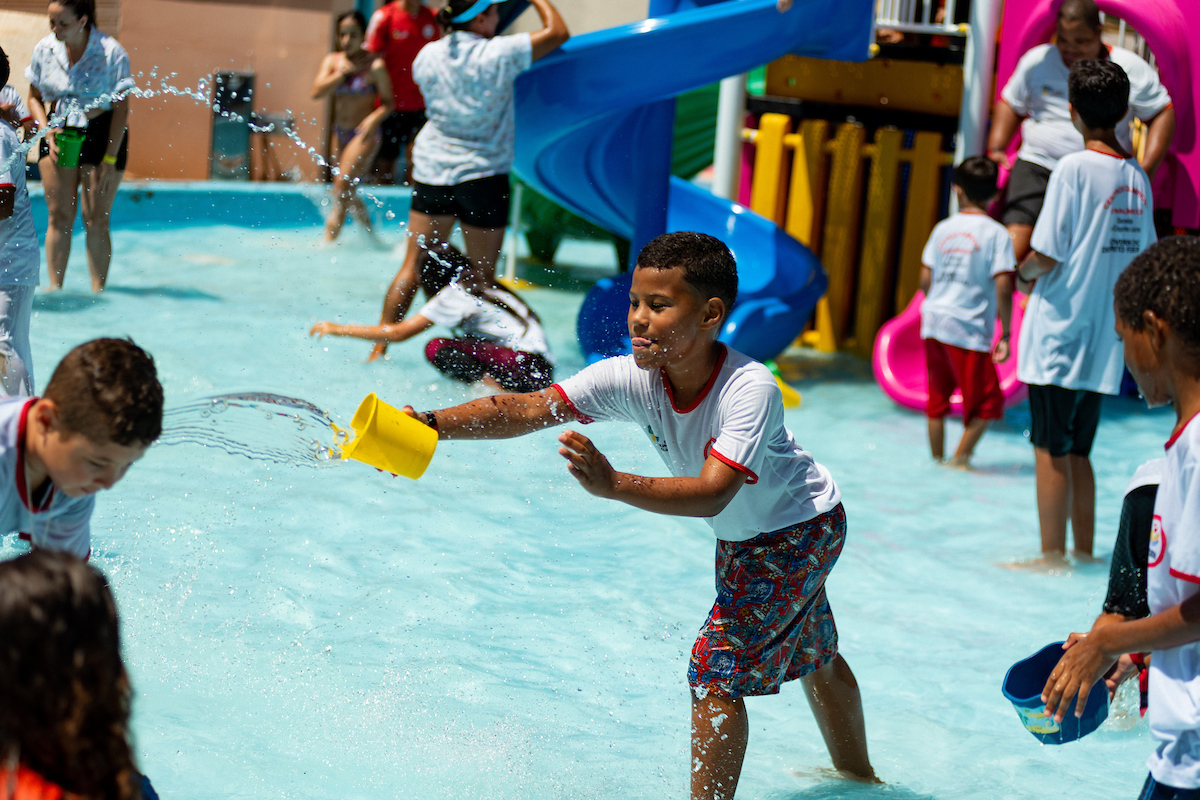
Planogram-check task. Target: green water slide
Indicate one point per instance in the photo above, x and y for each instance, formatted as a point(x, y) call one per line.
point(546, 223)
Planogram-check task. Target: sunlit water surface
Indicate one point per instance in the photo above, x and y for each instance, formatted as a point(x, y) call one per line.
point(494, 631)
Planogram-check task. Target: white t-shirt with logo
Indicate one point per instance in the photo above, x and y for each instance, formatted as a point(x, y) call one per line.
point(965, 252)
point(1098, 215)
point(738, 418)
point(467, 82)
point(1173, 576)
point(90, 83)
point(18, 237)
point(61, 523)
point(469, 315)
point(1037, 91)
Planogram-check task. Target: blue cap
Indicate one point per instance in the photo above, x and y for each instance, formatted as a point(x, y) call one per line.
point(474, 11)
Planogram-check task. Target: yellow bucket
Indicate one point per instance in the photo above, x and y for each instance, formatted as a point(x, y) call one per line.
point(390, 440)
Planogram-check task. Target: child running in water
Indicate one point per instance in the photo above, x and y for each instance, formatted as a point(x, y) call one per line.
point(497, 339)
point(967, 274)
point(1157, 299)
point(716, 418)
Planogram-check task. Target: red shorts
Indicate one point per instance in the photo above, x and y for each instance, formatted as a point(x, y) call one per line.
point(970, 371)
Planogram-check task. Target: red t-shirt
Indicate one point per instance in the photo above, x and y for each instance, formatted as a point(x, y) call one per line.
point(29, 785)
point(398, 37)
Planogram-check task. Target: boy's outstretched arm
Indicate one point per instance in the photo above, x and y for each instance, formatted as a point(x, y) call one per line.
point(704, 496)
point(501, 416)
point(1090, 655)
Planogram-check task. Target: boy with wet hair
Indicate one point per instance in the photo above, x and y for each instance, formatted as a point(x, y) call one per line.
point(967, 276)
point(1158, 319)
point(715, 417)
point(101, 410)
point(1097, 216)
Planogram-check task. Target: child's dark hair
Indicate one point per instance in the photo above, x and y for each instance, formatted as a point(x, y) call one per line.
point(81, 9)
point(1099, 91)
point(977, 177)
point(441, 268)
point(1165, 279)
point(108, 389)
point(67, 696)
point(451, 10)
point(4, 68)
point(355, 15)
point(1085, 11)
point(708, 266)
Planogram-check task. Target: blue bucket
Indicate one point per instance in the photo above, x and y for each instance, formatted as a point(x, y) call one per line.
point(1023, 687)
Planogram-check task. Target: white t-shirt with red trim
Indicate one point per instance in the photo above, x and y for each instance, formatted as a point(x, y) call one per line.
point(1173, 575)
point(1098, 215)
point(738, 418)
point(965, 253)
point(19, 255)
point(512, 324)
point(59, 522)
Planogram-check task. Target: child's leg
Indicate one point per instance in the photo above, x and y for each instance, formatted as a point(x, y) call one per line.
point(982, 399)
point(937, 437)
point(1053, 477)
point(1083, 504)
point(720, 730)
point(430, 230)
point(972, 433)
point(837, 706)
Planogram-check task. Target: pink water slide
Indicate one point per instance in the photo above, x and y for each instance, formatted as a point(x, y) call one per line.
point(899, 358)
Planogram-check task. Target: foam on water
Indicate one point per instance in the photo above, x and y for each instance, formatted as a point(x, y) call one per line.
point(494, 631)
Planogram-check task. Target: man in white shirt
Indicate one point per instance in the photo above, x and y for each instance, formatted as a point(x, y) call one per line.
point(1035, 99)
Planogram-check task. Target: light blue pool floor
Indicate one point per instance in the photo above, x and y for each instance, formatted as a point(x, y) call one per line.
point(494, 631)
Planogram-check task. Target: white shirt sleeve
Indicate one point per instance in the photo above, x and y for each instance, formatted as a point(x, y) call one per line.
point(929, 254)
point(743, 424)
point(1016, 91)
point(601, 391)
point(1147, 95)
point(1004, 258)
point(7, 162)
point(1183, 548)
point(120, 78)
point(1052, 233)
point(511, 55)
point(448, 307)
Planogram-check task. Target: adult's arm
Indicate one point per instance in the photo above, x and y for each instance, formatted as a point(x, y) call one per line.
point(1005, 122)
point(1160, 129)
point(116, 130)
point(501, 416)
point(553, 33)
point(702, 496)
point(1033, 267)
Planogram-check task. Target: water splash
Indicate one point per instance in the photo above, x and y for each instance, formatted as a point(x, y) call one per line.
point(258, 426)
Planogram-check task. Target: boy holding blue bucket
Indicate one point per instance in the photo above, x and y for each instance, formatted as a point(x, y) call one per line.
point(1158, 319)
point(716, 418)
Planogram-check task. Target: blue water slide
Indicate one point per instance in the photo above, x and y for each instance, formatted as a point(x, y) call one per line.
point(594, 129)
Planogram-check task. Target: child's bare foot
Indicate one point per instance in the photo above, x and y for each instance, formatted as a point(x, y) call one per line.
point(377, 352)
point(831, 774)
point(1081, 558)
point(1047, 563)
point(491, 383)
point(960, 462)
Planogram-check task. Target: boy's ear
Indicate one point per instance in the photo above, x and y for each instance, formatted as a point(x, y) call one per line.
point(45, 413)
point(714, 313)
point(1156, 328)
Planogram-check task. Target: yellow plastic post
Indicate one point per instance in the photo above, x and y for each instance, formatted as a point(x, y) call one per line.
point(879, 232)
point(842, 222)
point(770, 166)
point(920, 213)
point(390, 440)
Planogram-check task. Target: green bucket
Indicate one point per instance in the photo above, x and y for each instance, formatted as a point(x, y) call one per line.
point(70, 142)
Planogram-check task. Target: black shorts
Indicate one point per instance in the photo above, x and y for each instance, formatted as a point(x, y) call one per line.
point(1026, 192)
point(400, 128)
point(1064, 420)
point(483, 202)
point(95, 143)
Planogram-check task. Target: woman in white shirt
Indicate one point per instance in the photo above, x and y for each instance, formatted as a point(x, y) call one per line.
point(462, 156)
point(79, 77)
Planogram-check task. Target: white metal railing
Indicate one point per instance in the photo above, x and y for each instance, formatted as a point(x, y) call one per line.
point(917, 16)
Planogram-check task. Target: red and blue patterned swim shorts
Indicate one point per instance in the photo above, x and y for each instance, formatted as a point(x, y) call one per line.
point(771, 621)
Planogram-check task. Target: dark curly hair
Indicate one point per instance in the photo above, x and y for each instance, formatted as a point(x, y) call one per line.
point(108, 390)
point(67, 697)
point(1165, 279)
point(1099, 91)
point(708, 266)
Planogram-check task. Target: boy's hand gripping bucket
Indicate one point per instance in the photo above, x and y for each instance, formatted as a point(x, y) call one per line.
point(390, 440)
point(1023, 687)
point(70, 144)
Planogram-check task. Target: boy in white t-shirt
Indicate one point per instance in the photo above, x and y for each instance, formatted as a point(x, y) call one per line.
point(1156, 316)
point(19, 259)
point(967, 275)
point(1098, 215)
point(716, 418)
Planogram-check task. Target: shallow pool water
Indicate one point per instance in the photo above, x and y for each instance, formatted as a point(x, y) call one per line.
point(494, 631)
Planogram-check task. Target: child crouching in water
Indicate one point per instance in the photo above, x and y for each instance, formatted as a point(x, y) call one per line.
point(1158, 320)
point(967, 274)
point(716, 418)
point(497, 339)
